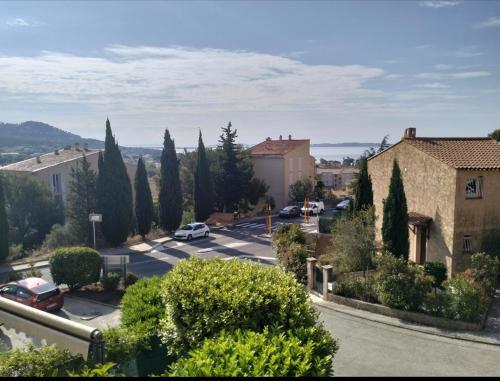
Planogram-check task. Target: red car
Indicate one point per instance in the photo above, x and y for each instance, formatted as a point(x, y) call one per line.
point(34, 292)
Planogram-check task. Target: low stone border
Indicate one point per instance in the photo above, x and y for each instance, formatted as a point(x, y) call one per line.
point(415, 317)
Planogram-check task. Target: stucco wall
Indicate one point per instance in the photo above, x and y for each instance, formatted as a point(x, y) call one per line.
point(299, 164)
point(430, 187)
point(270, 169)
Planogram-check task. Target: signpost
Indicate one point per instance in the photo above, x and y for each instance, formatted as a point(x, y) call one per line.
point(93, 217)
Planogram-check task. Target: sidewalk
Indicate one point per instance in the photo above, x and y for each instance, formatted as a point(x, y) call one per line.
point(142, 247)
point(490, 335)
point(5, 269)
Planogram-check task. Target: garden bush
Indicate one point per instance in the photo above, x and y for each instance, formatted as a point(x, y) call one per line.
point(289, 242)
point(75, 266)
point(358, 288)
point(484, 269)
point(204, 297)
point(59, 236)
point(123, 344)
point(130, 279)
point(47, 361)
point(438, 272)
point(247, 353)
point(110, 281)
point(467, 299)
point(437, 304)
point(401, 284)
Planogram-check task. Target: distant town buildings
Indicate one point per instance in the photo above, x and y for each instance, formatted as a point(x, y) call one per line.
point(337, 178)
point(452, 188)
point(281, 163)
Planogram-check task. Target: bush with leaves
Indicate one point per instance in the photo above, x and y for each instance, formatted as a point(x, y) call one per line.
point(362, 288)
point(203, 297)
point(467, 299)
point(99, 370)
point(130, 279)
point(401, 284)
point(437, 303)
point(46, 361)
point(245, 353)
point(110, 281)
point(484, 269)
point(437, 270)
point(289, 243)
point(75, 266)
point(123, 344)
point(60, 236)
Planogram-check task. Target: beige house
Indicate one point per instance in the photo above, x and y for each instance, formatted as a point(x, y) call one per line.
point(452, 187)
point(54, 168)
point(282, 162)
point(336, 178)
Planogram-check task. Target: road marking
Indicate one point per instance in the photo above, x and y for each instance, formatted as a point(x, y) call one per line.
point(250, 257)
point(244, 225)
point(231, 245)
point(252, 225)
point(259, 226)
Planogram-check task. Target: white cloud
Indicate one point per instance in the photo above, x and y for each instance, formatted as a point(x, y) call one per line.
point(439, 4)
point(20, 22)
point(443, 67)
point(434, 85)
point(462, 75)
point(393, 76)
point(492, 22)
point(465, 52)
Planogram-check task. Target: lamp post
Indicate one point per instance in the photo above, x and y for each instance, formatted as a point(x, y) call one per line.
point(93, 217)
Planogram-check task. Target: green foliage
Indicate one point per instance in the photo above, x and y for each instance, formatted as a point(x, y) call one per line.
point(401, 284)
point(82, 199)
point(47, 361)
point(490, 244)
point(4, 226)
point(395, 222)
point(438, 272)
point(325, 224)
point(143, 200)
point(467, 299)
point(187, 217)
point(352, 243)
point(362, 288)
point(123, 344)
point(290, 248)
point(202, 297)
point(114, 192)
point(111, 281)
point(363, 196)
point(32, 210)
point(32, 272)
point(60, 236)
point(437, 304)
point(75, 266)
point(99, 370)
point(301, 189)
point(16, 252)
point(170, 187)
point(247, 353)
point(130, 279)
point(187, 168)
point(142, 306)
point(495, 135)
point(484, 269)
point(203, 185)
point(230, 186)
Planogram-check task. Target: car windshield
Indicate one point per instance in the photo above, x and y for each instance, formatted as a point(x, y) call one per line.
point(187, 227)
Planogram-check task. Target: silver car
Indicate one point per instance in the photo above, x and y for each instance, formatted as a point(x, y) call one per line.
point(194, 230)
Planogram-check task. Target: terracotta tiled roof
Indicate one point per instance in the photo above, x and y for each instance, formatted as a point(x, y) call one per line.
point(415, 218)
point(461, 153)
point(276, 147)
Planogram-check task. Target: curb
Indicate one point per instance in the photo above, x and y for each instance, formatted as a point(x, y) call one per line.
point(41, 266)
point(318, 300)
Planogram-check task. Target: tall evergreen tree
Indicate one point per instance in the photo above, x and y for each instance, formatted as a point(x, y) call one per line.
point(231, 184)
point(203, 190)
point(143, 200)
point(170, 187)
point(4, 226)
point(82, 200)
point(363, 196)
point(395, 223)
point(114, 192)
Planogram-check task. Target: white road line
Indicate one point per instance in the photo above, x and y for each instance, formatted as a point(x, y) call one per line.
point(252, 225)
point(244, 225)
point(259, 226)
point(231, 245)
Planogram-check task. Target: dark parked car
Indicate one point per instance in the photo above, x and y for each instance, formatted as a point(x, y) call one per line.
point(290, 211)
point(34, 292)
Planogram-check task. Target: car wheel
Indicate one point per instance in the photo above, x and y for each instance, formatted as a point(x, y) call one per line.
point(189, 237)
point(206, 234)
point(322, 211)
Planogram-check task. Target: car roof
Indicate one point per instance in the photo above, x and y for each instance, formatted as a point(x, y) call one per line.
point(31, 283)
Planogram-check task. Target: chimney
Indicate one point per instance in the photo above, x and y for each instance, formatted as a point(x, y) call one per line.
point(86, 146)
point(281, 137)
point(289, 137)
point(268, 139)
point(410, 133)
point(56, 152)
point(38, 160)
point(77, 146)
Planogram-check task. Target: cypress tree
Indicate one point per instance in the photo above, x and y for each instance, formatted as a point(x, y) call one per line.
point(231, 184)
point(363, 197)
point(143, 200)
point(395, 223)
point(114, 192)
point(170, 187)
point(4, 226)
point(203, 190)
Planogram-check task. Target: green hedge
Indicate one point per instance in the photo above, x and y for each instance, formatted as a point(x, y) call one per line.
point(289, 243)
point(111, 281)
point(357, 288)
point(438, 272)
point(467, 300)
point(247, 353)
point(75, 266)
point(484, 269)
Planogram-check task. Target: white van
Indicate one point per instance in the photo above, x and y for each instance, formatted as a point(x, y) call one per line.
point(314, 207)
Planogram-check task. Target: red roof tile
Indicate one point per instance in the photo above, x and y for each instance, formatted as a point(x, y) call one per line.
point(276, 147)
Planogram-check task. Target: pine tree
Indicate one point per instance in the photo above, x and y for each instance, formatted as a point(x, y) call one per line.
point(143, 200)
point(82, 200)
point(231, 184)
point(363, 197)
point(203, 190)
point(395, 223)
point(170, 187)
point(4, 226)
point(114, 192)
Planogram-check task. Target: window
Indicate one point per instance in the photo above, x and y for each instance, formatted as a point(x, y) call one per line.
point(467, 243)
point(473, 187)
point(56, 183)
point(9, 290)
point(23, 293)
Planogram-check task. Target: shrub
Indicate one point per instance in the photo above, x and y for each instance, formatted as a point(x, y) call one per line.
point(490, 243)
point(99, 370)
point(123, 344)
point(325, 224)
point(289, 242)
point(75, 266)
point(13, 276)
point(437, 270)
point(130, 279)
point(205, 296)
point(484, 270)
point(111, 281)
point(437, 304)
point(247, 353)
point(401, 284)
point(32, 272)
point(47, 361)
point(59, 236)
point(357, 288)
point(468, 300)
point(15, 252)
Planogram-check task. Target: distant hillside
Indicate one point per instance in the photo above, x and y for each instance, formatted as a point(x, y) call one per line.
point(30, 138)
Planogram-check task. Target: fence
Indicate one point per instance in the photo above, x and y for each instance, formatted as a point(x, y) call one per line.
point(115, 263)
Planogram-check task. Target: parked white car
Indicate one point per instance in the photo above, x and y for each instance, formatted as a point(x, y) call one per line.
point(314, 207)
point(343, 205)
point(194, 230)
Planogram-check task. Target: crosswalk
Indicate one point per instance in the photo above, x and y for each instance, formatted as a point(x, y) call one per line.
point(310, 228)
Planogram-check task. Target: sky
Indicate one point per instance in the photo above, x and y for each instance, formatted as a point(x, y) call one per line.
point(329, 71)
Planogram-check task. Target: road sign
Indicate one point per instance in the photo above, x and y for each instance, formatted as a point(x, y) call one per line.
point(93, 217)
